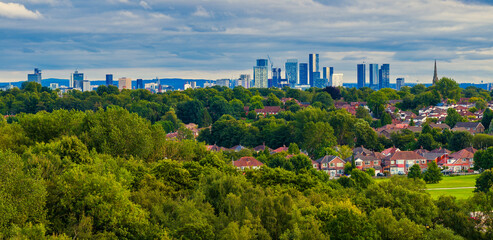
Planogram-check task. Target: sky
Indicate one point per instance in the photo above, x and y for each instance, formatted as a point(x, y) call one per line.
point(213, 39)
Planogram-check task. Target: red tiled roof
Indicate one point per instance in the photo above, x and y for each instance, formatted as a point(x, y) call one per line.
point(406, 155)
point(247, 162)
point(281, 149)
point(389, 151)
point(462, 154)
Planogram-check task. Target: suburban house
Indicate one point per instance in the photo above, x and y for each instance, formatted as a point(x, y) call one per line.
point(268, 110)
point(473, 127)
point(462, 160)
point(401, 161)
point(372, 160)
point(247, 163)
point(332, 165)
point(280, 149)
point(390, 151)
point(260, 148)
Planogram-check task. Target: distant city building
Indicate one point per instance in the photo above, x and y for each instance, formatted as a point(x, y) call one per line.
point(124, 83)
point(35, 77)
point(153, 87)
point(261, 74)
point(384, 75)
point(53, 86)
point(292, 72)
point(77, 80)
point(303, 73)
point(435, 74)
point(337, 79)
point(399, 83)
point(209, 84)
point(276, 77)
point(327, 74)
point(374, 76)
point(109, 79)
point(223, 82)
point(86, 85)
point(361, 75)
point(187, 86)
point(244, 81)
point(313, 60)
point(193, 84)
point(140, 84)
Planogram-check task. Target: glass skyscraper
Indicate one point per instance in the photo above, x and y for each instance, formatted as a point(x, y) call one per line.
point(384, 76)
point(327, 74)
point(292, 72)
point(140, 84)
point(77, 80)
point(361, 75)
point(109, 79)
point(374, 76)
point(261, 74)
point(35, 77)
point(303, 73)
point(399, 82)
point(313, 60)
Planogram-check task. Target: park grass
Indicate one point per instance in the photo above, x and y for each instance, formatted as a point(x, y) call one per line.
point(458, 193)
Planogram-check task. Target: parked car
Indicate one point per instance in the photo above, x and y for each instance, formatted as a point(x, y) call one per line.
point(380, 174)
point(401, 173)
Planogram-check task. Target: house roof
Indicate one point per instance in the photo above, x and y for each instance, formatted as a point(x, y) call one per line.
point(441, 126)
point(462, 154)
point(247, 162)
point(468, 124)
point(440, 150)
point(421, 151)
point(260, 148)
point(432, 156)
point(406, 155)
point(361, 150)
point(269, 109)
point(389, 151)
point(327, 159)
point(281, 149)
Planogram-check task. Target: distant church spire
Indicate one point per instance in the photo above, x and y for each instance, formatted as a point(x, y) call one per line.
point(435, 76)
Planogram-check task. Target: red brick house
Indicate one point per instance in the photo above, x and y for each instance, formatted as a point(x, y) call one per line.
point(401, 161)
point(332, 165)
point(462, 160)
point(247, 163)
point(366, 161)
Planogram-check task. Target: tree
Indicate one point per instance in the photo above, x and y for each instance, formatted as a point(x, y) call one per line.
point(316, 137)
point(453, 117)
point(293, 148)
point(433, 173)
point(376, 102)
point(386, 119)
point(362, 113)
point(426, 141)
point(487, 117)
point(324, 98)
point(190, 112)
point(484, 182)
point(449, 88)
point(415, 172)
point(334, 92)
point(483, 159)
point(460, 140)
point(273, 100)
point(370, 172)
point(362, 179)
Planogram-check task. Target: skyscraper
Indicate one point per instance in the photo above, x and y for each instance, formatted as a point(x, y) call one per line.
point(109, 79)
point(86, 85)
point(124, 83)
point(374, 76)
point(77, 80)
point(261, 73)
point(435, 75)
point(276, 77)
point(303, 73)
point(292, 72)
point(140, 84)
point(384, 76)
point(337, 79)
point(313, 60)
point(399, 82)
point(35, 77)
point(361, 75)
point(244, 81)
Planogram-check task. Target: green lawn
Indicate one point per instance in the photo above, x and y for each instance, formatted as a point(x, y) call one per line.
point(458, 193)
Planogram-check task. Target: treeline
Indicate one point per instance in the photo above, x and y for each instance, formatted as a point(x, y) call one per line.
point(111, 174)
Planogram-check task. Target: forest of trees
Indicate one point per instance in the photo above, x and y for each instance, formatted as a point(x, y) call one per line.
point(97, 165)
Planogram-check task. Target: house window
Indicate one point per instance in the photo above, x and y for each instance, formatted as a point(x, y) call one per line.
point(339, 165)
point(423, 161)
point(375, 162)
point(400, 161)
point(392, 162)
point(315, 165)
point(367, 162)
point(324, 165)
point(331, 164)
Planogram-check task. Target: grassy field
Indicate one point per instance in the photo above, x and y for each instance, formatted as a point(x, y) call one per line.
point(465, 182)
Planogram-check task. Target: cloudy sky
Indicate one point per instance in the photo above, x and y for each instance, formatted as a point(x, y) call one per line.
point(222, 38)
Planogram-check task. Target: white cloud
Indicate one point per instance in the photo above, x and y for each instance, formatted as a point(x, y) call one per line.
point(15, 11)
point(201, 12)
point(145, 5)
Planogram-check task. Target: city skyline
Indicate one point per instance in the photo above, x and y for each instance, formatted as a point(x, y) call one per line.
point(220, 39)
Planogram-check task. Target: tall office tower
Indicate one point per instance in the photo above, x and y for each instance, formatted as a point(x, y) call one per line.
point(303, 73)
point(319, 82)
point(109, 79)
point(276, 77)
point(86, 85)
point(140, 84)
point(374, 76)
point(35, 77)
point(223, 82)
point(361, 75)
point(292, 72)
point(384, 76)
point(193, 84)
point(244, 81)
point(399, 82)
point(261, 73)
point(337, 79)
point(313, 60)
point(77, 80)
point(124, 83)
point(435, 74)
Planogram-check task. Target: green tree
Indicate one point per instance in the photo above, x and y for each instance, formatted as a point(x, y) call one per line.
point(432, 173)
point(453, 117)
point(190, 112)
point(426, 141)
point(487, 117)
point(293, 148)
point(377, 101)
point(362, 179)
point(449, 89)
point(273, 100)
point(316, 137)
point(485, 181)
point(415, 172)
point(460, 140)
point(324, 98)
point(483, 159)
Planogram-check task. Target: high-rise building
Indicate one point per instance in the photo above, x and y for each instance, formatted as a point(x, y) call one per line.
point(361, 75)
point(223, 82)
point(86, 85)
point(399, 82)
point(140, 84)
point(244, 81)
point(292, 72)
point(318, 81)
point(109, 79)
point(303, 73)
point(261, 73)
point(276, 77)
point(374, 75)
point(313, 60)
point(35, 77)
point(435, 74)
point(327, 74)
point(77, 80)
point(337, 79)
point(384, 75)
point(124, 83)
